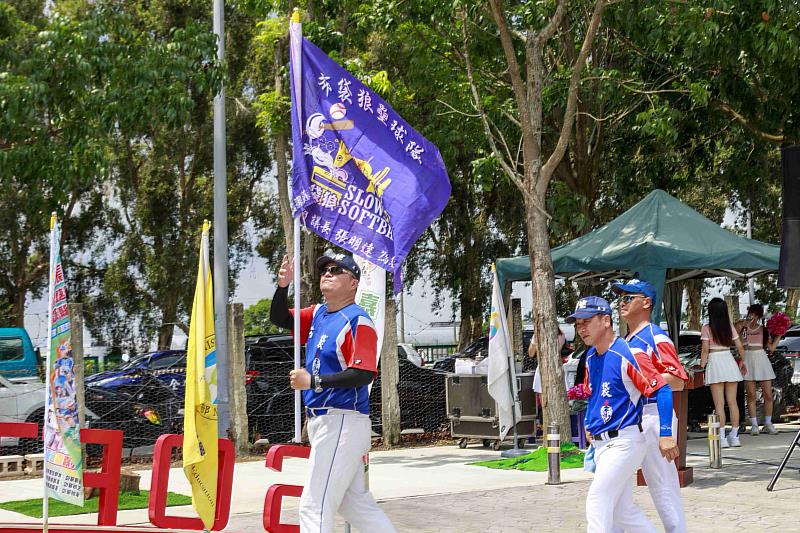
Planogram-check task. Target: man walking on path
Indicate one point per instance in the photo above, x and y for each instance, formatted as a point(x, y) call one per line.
point(341, 362)
point(613, 420)
point(660, 365)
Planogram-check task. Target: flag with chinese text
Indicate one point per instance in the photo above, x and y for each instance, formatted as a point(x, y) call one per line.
point(62, 442)
point(363, 178)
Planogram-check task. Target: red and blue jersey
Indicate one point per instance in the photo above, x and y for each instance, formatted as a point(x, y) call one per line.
point(335, 341)
point(661, 355)
point(616, 385)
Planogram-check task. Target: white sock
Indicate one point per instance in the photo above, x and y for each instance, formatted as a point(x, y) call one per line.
point(721, 432)
point(734, 431)
point(754, 421)
point(768, 419)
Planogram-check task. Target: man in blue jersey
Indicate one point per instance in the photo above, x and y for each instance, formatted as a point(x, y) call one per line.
point(613, 420)
point(660, 364)
point(341, 362)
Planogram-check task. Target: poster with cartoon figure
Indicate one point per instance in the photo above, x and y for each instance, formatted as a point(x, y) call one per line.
point(62, 444)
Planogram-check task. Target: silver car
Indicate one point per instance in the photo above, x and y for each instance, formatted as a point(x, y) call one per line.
point(21, 400)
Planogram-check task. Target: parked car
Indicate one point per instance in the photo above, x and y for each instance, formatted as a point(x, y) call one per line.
point(270, 399)
point(168, 366)
point(142, 412)
point(21, 400)
point(18, 357)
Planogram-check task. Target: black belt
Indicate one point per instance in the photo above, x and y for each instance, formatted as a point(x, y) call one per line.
point(612, 434)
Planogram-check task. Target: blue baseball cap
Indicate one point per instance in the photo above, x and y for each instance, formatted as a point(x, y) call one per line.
point(635, 286)
point(345, 261)
point(589, 306)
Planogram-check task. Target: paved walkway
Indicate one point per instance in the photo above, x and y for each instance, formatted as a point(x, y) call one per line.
point(434, 490)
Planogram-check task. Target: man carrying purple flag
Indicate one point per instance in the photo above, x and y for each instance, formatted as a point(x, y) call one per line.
point(363, 178)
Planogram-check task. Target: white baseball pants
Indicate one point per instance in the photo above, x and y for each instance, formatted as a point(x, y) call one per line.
point(607, 504)
point(339, 440)
point(662, 475)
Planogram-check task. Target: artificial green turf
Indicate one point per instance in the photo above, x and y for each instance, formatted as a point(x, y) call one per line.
point(536, 461)
point(127, 500)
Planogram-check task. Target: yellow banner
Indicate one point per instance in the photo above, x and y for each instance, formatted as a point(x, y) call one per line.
point(200, 455)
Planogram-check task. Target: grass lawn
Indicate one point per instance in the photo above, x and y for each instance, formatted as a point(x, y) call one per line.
point(571, 457)
point(127, 500)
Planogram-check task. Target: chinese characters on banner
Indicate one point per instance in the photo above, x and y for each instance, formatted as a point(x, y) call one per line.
point(363, 178)
point(371, 296)
point(62, 445)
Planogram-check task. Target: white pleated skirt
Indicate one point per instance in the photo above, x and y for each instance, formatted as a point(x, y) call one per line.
point(758, 366)
point(721, 367)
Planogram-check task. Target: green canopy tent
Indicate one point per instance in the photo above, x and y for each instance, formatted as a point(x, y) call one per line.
point(661, 240)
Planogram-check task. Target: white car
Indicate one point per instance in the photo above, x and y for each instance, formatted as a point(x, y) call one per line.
point(21, 400)
point(408, 351)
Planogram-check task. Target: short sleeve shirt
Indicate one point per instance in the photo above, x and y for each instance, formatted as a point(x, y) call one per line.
point(335, 341)
point(616, 385)
point(707, 335)
point(661, 355)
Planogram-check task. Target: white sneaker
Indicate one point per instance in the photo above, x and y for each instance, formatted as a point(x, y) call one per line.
point(769, 428)
point(723, 443)
point(734, 441)
point(754, 430)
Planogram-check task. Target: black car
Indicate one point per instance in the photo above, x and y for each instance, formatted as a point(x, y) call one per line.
point(270, 399)
point(143, 412)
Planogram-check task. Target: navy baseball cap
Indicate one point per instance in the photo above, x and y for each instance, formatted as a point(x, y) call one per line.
point(345, 261)
point(635, 286)
point(588, 307)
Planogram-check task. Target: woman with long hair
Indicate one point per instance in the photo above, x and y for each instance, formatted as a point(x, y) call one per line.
point(759, 370)
point(722, 371)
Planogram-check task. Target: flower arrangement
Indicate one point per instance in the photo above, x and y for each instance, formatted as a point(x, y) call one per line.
point(778, 324)
point(578, 392)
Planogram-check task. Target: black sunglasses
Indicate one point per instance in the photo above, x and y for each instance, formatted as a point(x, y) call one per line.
point(628, 298)
point(335, 270)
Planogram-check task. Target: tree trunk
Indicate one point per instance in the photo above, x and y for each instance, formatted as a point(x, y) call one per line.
point(18, 309)
point(554, 393)
point(169, 317)
point(390, 377)
point(792, 301)
point(694, 289)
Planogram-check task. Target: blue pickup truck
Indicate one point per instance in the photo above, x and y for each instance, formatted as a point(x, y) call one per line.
point(18, 357)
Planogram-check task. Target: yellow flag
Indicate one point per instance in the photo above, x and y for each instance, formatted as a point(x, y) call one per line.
point(200, 404)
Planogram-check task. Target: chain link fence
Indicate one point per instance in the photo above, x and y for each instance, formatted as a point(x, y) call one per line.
point(144, 397)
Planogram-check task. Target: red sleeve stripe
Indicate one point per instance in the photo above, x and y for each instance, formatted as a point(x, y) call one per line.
point(365, 353)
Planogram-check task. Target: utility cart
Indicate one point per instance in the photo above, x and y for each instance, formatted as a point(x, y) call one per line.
point(473, 412)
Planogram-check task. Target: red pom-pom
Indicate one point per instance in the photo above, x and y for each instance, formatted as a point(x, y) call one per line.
point(578, 392)
point(778, 324)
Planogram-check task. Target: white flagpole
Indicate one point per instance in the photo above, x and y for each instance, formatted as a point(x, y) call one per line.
point(296, 50)
point(53, 245)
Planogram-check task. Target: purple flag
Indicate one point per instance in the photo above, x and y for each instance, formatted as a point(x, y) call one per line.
point(362, 178)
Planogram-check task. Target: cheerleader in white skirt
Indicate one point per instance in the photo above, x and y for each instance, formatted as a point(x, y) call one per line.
point(722, 371)
point(759, 368)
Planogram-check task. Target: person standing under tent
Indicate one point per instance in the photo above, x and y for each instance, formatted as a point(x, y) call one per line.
point(341, 362)
point(660, 365)
point(722, 370)
point(759, 369)
point(614, 420)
